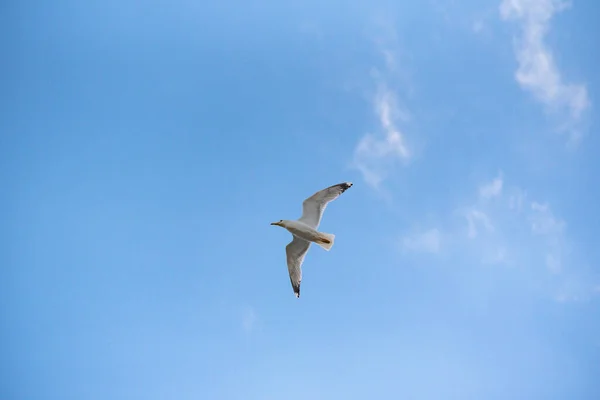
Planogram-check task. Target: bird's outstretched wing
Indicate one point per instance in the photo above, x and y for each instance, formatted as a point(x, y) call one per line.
point(313, 207)
point(295, 252)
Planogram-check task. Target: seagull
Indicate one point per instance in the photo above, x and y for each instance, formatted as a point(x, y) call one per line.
point(304, 230)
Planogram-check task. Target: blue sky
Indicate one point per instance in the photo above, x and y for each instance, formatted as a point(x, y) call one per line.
point(147, 147)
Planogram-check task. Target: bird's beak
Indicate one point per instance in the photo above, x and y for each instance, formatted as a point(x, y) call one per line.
point(275, 223)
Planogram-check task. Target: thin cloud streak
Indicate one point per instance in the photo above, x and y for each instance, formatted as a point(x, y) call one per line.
point(512, 231)
point(537, 71)
point(377, 154)
point(426, 242)
point(491, 189)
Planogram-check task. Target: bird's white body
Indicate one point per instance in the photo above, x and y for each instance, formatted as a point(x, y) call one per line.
point(304, 230)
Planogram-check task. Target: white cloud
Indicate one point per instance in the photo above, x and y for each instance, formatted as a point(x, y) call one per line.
point(517, 232)
point(515, 201)
point(537, 71)
point(543, 221)
point(426, 242)
point(491, 189)
point(477, 218)
point(551, 229)
point(377, 154)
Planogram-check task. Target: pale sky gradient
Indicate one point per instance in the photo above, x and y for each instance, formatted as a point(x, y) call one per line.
point(147, 146)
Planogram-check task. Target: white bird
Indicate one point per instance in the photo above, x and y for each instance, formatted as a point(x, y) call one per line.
point(304, 230)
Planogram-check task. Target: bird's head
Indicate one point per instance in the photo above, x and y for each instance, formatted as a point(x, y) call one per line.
point(278, 223)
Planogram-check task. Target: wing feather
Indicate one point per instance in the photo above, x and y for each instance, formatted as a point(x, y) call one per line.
point(296, 251)
point(314, 206)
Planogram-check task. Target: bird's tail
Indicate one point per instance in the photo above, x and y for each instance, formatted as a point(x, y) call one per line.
point(325, 240)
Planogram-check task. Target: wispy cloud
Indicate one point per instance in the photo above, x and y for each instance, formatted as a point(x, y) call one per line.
point(491, 189)
point(514, 230)
point(537, 71)
point(377, 154)
point(476, 220)
point(551, 229)
point(543, 221)
point(427, 242)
